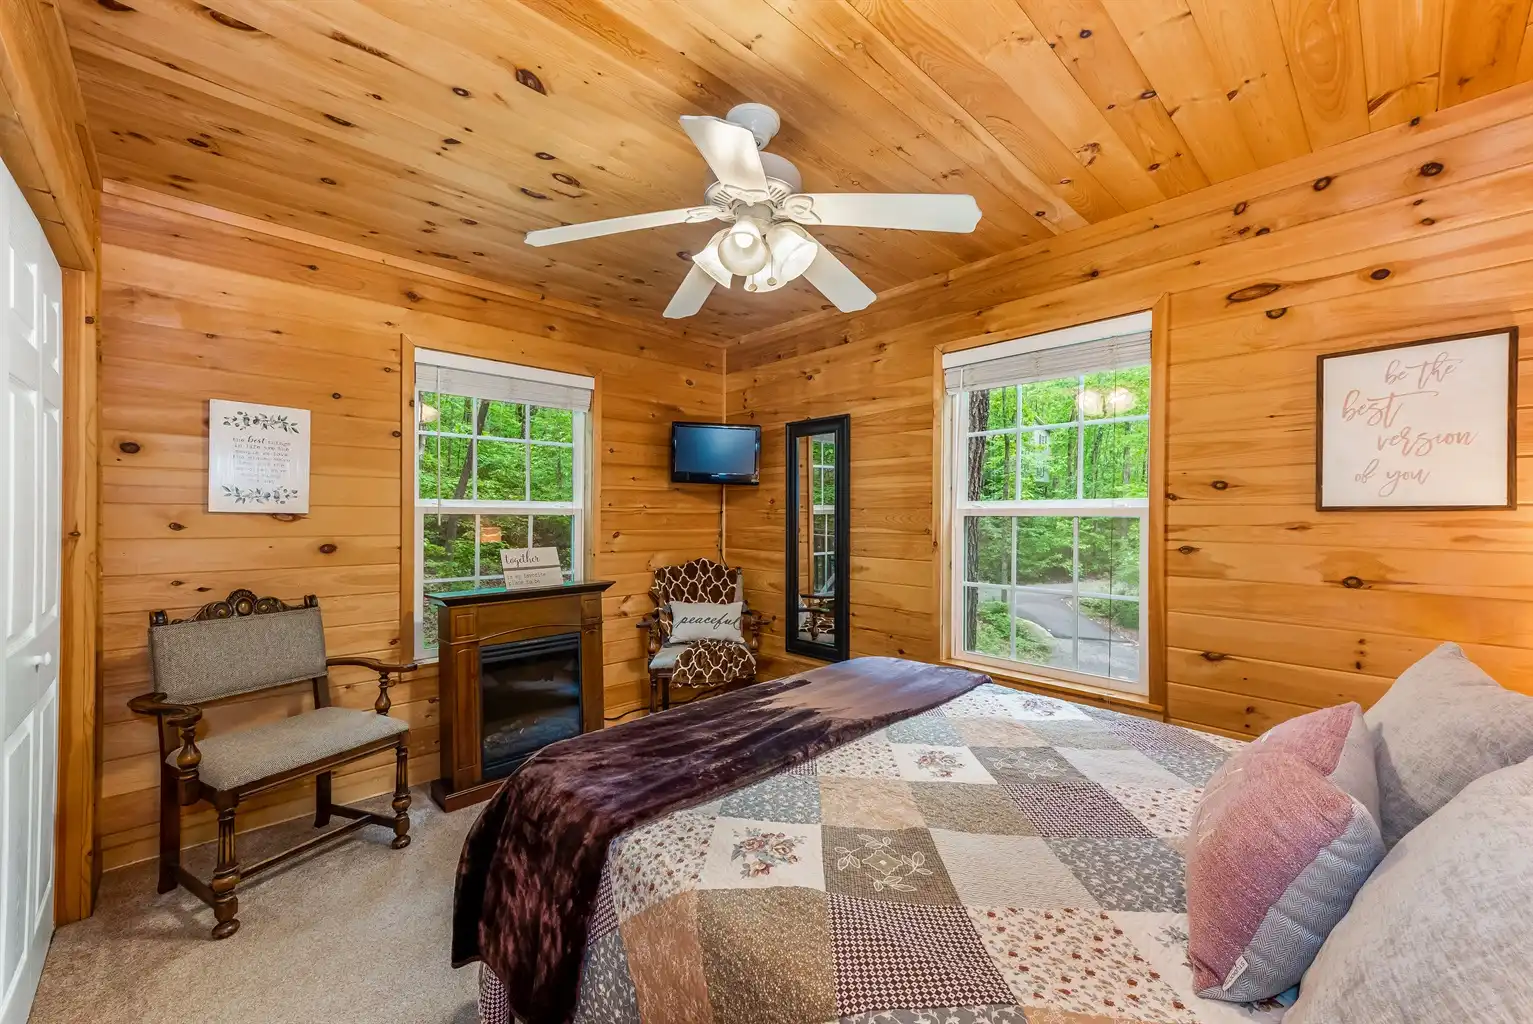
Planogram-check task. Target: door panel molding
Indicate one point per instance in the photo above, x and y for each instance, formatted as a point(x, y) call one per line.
point(31, 488)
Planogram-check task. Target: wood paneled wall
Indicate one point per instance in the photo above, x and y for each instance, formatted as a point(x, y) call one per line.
point(1418, 231)
point(198, 304)
point(47, 150)
point(44, 140)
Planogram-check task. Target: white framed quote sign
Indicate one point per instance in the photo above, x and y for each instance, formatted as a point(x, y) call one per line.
point(258, 458)
point(1424, 425)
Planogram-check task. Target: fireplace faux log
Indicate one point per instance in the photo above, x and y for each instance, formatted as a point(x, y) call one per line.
point(518, 670)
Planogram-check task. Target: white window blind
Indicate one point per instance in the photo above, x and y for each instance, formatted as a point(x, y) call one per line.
point(451, 374)
point(1050, 363)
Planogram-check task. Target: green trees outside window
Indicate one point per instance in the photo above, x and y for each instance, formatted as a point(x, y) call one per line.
point(1054, 491)
point(490, 475)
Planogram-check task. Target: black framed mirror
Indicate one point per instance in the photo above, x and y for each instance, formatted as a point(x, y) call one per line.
point(818, 535)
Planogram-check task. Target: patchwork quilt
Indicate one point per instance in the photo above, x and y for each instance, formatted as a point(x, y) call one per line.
point(1005, 857)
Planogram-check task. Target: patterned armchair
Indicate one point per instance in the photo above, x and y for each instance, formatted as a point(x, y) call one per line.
point(698, 664)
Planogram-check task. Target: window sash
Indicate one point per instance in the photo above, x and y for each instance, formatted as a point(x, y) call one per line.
point(577, 447)
point(493, 437)
point(958, 425)
point(481, 578)
point(1028, 428)
point(575, 507)
point(963, 508)
point(490, 508)
point(495, 571)
point(961, 584)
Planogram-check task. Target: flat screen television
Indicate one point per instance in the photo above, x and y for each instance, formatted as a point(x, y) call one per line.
point(715, 453)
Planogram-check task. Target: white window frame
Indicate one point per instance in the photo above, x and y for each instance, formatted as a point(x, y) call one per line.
point(960, 508)
point(580, 433)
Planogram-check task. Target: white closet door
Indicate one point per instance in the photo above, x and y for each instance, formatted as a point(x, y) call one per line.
point(31, 297)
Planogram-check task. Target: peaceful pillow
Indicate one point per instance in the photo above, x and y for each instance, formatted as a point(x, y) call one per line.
point(1443, 724)
point(705, 622)
point(1281, 841)
point(1440, 932)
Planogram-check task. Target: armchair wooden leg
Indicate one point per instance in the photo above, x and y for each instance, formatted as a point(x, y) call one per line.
point(322, 799)
point(226, 877)
point(170, 828)
point(654, 692)
point(401, 802)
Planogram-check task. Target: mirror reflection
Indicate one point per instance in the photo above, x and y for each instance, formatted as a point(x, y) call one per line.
point(816, 527)
point(816, 557)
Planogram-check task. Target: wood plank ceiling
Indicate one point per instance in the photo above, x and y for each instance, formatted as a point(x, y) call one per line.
point(443, 130)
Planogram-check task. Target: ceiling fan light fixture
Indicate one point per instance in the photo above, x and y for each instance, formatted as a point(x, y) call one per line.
point(792, 250)
point(759, 197)
point(708, 259)
point(743, 249)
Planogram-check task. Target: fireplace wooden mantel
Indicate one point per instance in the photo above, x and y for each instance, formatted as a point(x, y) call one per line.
point(473, 619)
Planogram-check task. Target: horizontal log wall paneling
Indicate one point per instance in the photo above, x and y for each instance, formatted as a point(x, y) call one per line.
point(1415, 232)
point(199, 304)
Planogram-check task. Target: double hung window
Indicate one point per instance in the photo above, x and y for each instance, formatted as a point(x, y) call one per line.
point(501, 455)
point(1048, 463)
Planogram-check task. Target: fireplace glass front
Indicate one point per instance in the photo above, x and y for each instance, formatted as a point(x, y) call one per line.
point(529, 696)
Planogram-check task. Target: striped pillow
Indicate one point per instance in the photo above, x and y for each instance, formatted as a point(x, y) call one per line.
point(1285, 835)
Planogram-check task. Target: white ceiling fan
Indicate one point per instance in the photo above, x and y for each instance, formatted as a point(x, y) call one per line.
point(758, 193)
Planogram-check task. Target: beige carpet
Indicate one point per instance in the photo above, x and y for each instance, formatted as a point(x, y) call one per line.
point(353, 932)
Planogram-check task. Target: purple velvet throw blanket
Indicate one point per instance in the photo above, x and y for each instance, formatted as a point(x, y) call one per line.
point(531, 865)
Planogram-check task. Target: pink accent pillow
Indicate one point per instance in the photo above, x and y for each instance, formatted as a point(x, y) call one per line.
point(1286, 833)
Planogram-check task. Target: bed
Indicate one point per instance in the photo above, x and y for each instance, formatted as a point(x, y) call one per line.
point(995, 857)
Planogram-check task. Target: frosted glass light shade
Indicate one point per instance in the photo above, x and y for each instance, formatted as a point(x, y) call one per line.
point(743, 250)
point(792, 251)
point(708, 258)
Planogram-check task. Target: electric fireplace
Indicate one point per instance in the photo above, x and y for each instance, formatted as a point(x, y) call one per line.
point(518, 670)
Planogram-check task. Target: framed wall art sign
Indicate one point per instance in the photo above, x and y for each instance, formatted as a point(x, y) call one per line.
point(1423, 425)
point(258, 458)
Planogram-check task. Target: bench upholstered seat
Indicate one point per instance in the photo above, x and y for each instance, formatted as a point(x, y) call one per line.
point(234, 759)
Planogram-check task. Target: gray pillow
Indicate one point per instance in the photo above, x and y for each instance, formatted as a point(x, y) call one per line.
point(1442, 932)
point(1443, 724)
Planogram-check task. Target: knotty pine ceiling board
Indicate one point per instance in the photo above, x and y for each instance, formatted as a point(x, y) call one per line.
point(443, 130)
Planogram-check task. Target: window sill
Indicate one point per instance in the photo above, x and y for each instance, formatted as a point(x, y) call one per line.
point(1098, 696)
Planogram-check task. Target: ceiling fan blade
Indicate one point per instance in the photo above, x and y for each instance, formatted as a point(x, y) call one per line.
point(689, 298)
point(837, 283)
point(911, 211)
point(615, 225)
point(729, 149)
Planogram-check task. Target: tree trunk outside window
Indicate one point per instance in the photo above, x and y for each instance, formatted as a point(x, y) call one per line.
point(979, 419)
